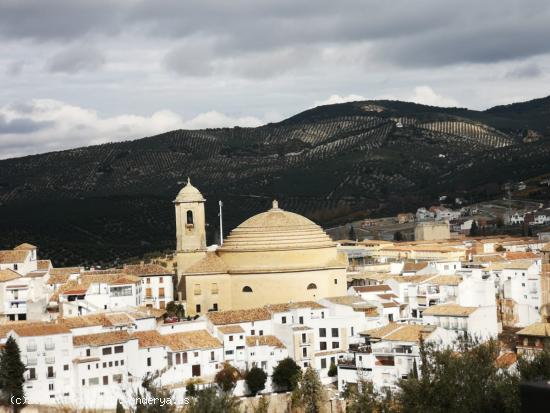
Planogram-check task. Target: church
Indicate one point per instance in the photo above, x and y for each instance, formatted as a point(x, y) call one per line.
point(273, 257)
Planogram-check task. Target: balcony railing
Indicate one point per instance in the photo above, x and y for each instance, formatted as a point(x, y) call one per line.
point(31, 348)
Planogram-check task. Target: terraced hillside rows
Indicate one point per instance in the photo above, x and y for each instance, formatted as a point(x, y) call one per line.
point(103, 204)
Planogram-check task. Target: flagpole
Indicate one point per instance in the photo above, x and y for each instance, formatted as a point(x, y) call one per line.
point(221, 223)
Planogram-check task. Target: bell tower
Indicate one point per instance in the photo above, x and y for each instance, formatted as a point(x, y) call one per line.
point(190, 227)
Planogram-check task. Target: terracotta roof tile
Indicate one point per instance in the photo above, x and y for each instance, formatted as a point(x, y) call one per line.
point(40, 329)
point(238, 316)
point(43, 265)
point(13, 256)
point(146, 269)
point(535, 329)
point(8, 275)
point(372, 288)
point(268, 340)
point(449, 309)
point(151, 338)
point(191, 340)
point(210, 264)
point(285, 307)
point(236, 329)
point(101, 339)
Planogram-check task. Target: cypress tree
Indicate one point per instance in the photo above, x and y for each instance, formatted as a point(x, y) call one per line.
point(11, 374)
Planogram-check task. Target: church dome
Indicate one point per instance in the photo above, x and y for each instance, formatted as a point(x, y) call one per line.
point(189, 194)
point(277, 229)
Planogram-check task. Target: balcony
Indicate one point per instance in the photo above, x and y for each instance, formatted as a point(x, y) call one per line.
point(31, 348)
point(31, 361)
point(49, 346)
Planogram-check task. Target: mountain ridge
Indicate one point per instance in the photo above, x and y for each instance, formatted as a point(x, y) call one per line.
point(104, 203)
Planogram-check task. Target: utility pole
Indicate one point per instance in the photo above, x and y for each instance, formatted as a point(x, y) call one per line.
point(221, 222)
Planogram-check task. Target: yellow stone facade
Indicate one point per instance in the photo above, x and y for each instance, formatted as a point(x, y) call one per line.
point(273, 257)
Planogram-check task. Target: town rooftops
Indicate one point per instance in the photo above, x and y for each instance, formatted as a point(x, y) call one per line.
point(521, 255)
point(449, 309)
point(444, 280)
point(101, 339)
point(150, 338)
point(285, 307)
point(43, 265)
point(268, 340)
point(146, 270)
point(511, 265)
point(400, 332)
point(536, 330)
point(191, 340)
point(39, 329)
point(414, 266)
point(13, 256)
point(8, 275)
point(348, 300)
point(235, 329)
point(372, 288)
point(239, 316)
point(98, 319)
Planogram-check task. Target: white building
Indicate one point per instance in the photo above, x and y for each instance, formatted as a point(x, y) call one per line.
point(157, 285)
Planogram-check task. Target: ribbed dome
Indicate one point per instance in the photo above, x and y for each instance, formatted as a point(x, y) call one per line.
point(189, 194)
point(277, 229)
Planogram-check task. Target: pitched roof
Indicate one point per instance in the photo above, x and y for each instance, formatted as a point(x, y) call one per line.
point(444, 280)
point(25, 247)
point(98, 319)
point(349, 300)
point(145, 269)
point(101, 339)
point(191, 340)
point(414, 266)
point(210, 264)
point(40, 329)
point(84, 281)
point(535, 329)
point(239, 316)
point(150, 338)
point(43, 265)
point(236, 329)
point(8, 275)
point(284, 307)
point(61, 275)
point(449, 309)
point(372, 288)
point(13, 256)
point(520, 255)
point(401, 332)
point(268, 340)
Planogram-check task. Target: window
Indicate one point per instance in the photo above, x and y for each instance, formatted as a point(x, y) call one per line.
point(336, 281)
point(322, 332)
point(161, 292)
point(116, 363)
point(352, 330)
point(15, 267)
point(119, 349)
point(212, 356)
point(214, 288)
point(312, 286)
point(198, 308)
point(162, 305)
point(261, 332)
point(51, 373)
point(105, 380)
point(88, 352)
point(322, 345)
point(178, 358)
point(283, 320)
point(230, 338)
point(50, 386)
point(335, 344)
point(304, 337)
point(117, 378)
point(323, 363)
point(83, 382)
point(334, 332)
point(148, 280)
point(184, 358)
point(189, 217)
point(247, 289)
point(215, 306)
point(161, 280)
point(148, 361)
point(32, 373)
point(65, 367)
point(124, 291)
point(107, 350)
point(197, 289)
point(110, 364)
point(304, 351)
point(94, 381)
point(301, 320)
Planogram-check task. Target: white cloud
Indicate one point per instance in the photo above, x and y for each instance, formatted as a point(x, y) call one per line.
point(45, 125)
point(334, 99)
point(427, 96)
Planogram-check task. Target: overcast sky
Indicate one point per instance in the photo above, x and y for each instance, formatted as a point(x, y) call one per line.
point(79, 72)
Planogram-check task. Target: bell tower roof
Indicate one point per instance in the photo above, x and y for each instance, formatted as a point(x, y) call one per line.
point(189, 194)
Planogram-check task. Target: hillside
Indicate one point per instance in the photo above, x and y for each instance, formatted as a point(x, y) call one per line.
point(100, 204)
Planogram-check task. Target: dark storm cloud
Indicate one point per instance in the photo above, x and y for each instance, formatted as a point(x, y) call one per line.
point(21, 125)
point(420, 33)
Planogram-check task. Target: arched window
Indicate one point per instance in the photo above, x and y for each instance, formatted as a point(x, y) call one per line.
point(189, 217)
point(247, 289)
point(311, 287)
